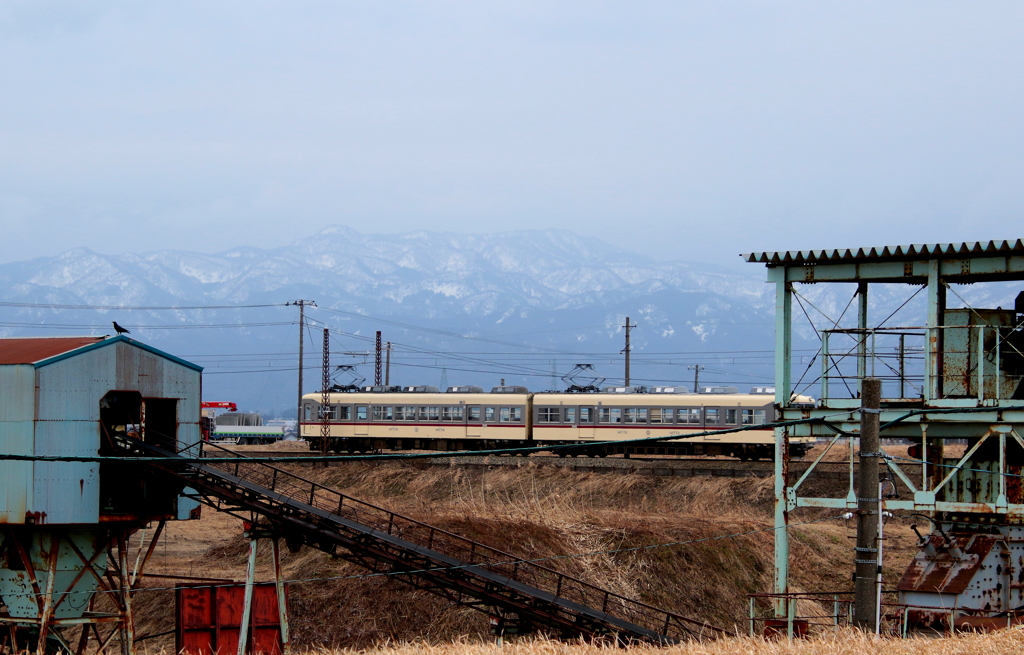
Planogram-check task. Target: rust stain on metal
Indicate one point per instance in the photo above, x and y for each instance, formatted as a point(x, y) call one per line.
point(31, 350)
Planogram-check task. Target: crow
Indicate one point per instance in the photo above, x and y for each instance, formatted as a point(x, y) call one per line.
point(119, 329)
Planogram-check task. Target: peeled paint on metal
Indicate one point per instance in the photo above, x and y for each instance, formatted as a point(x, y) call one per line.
point(15, 585)
point(209, 619)
point(975, 579)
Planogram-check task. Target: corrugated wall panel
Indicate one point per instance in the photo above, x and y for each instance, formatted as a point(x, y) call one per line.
point(68, 398)
point(67, 424)
point(17, 407)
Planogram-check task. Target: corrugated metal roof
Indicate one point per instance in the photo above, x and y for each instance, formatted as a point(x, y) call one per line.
point(966, 250)
point(28, 350)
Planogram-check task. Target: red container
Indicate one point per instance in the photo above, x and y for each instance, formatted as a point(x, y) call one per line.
point(209, 619)
point(779, 628)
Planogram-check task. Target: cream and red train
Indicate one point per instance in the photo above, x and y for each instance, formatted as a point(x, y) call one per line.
point(467, 418)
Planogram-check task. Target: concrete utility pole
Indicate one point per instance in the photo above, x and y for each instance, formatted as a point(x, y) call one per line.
point(387, 366)
point(869, 505)
point(696, 368)
point(301, 304)
point(628, 348)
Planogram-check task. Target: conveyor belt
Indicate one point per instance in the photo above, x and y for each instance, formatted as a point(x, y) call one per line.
point(462, 570)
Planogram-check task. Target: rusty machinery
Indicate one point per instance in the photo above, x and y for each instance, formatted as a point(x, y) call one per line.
point(951, 380)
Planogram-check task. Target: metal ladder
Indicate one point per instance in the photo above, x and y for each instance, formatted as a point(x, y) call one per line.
point(461, 570)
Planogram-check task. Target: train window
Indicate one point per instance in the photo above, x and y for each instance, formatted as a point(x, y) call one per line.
point(610, 415)
point(505, 415)
point(691, 415)
point(548, 415)
point(667, 415)
point(378, 413)
point(344, 412)
point(636, 415)
point(422, 414)
point(711, 415)
point(389, 413)
point(473, 413)
point(570, 414)
point(753, 417)
point(307, 412)
point(656, 415)
point(730, 416)
point(586, 414)
point(517, 414)
point(457, 413)
point(446, 413)
point(489, 415)
point(361, 413)
point(432, 414)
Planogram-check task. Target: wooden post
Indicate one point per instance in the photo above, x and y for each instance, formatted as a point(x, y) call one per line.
point(250, 581)
point(868, 506)
point(282, 604)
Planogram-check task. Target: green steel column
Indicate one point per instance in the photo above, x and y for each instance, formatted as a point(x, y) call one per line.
point(783, 345)
point(933, 340)
point(862, 343)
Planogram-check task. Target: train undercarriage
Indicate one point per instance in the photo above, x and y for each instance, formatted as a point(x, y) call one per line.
point(362, 445)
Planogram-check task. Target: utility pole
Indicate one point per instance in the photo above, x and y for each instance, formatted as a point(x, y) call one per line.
point(387, 366)
point(376, 363)
point(628, 348)
point(696, 368)
point(869, 507)
point(325, 396)
point(301, 304)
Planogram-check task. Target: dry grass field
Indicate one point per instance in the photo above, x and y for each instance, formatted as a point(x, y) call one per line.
point(536, 511)
point(845, 642)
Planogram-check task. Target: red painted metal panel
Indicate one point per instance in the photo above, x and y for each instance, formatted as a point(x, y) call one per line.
point(209, 619)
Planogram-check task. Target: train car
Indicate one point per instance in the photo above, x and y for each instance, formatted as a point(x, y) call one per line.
point(467, 418)
point(420, 418)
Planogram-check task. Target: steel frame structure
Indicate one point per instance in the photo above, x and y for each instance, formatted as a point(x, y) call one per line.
point(464, 571)
point(117, 580)
point(930, 418)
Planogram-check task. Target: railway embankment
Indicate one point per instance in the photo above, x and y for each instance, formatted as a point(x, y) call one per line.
point(692, 544)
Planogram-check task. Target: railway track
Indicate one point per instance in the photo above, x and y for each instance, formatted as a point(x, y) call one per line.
point(653, 466)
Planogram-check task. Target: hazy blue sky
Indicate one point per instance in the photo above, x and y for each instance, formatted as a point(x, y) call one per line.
point(695, 130)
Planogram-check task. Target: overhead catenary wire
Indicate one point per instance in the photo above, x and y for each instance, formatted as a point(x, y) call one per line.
point(129, 308)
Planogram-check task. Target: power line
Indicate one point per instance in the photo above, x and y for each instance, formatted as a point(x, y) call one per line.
point(132, 307)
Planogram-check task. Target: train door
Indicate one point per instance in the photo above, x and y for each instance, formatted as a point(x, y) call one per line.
point(362, 423)
point(588, 416)
point(712, 416)
point(473, 420)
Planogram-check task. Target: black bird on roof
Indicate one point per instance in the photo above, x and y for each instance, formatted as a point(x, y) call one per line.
point(119, 329)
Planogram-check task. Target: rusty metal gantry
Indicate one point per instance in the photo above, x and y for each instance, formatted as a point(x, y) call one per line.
point(963, 381)
point(76, 578)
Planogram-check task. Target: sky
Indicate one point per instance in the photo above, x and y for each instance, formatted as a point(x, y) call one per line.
point(686, 130)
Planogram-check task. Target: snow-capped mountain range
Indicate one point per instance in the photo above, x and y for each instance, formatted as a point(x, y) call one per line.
point(524, 306)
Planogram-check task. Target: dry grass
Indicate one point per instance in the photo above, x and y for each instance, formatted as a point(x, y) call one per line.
point(846, 642)
point(535, 511)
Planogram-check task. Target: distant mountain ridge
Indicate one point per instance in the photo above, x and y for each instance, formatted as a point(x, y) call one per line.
point(549, 268)
point(551, 290)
